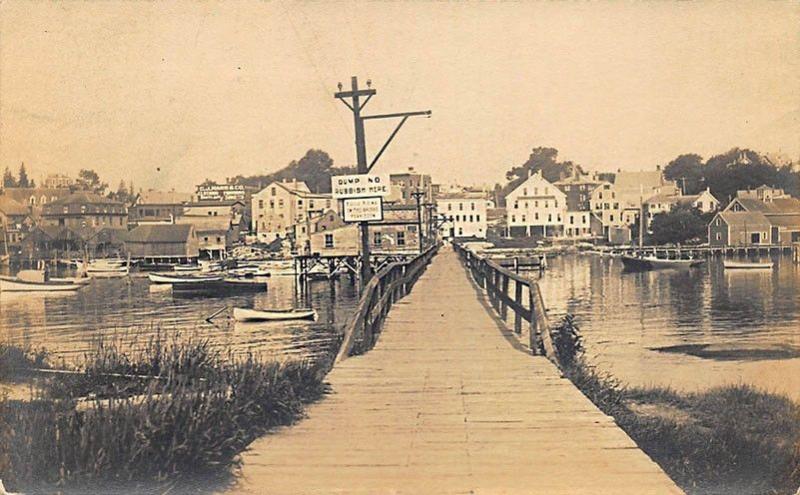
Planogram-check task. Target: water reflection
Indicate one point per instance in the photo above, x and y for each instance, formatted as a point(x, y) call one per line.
point(624, 316)
point(133, 310)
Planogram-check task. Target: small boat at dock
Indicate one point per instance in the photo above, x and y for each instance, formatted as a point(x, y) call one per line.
point(746, 265)
point(242, 314)
point(635, 263)
point(223, 287)
point(182, 278)
point(36, 281)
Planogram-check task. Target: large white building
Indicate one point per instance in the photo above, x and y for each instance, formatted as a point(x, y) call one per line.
point(285, 209)
point(464, 213)
point(536, 207)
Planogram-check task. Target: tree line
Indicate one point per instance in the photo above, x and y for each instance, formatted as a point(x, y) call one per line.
point(315, 168)
point(87, 180)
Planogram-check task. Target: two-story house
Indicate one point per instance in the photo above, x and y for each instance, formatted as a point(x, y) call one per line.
point(536, 207)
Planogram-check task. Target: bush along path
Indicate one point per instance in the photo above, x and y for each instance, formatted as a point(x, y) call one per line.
point(158, 419)
point(729, 440)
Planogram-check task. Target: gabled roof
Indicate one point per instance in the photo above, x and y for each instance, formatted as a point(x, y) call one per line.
point(777, 206)
point(163, 198)
point(791, 221)
point(83, 198)
point(11, 207)
point(163, 234)
point(631, 181)
point(747, 218)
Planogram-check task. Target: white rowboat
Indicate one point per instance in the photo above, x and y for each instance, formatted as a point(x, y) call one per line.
point(184, 278)
point(242, 314)
point(746, 265)
point(14, 284)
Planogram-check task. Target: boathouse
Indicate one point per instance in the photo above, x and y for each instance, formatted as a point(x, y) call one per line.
point(160, 243)
point(740, 228)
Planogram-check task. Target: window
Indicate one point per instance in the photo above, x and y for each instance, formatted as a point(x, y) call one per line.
point(549, 217)
point(205, 239)
point(571, 219)
point(260, 204)
point(477, 218)
point(536, 216)
point(611, 218)
point(328, 241)
point(219, 239)
point(401, 238)
point(525, 192)
point(719, 236)
point(716, 222)
point(411, 228)
point(460, 206)
point(535, 191)
point(513, 218)
point(472, 205)
point(460, 231)
point(273, 191)
point(280, 203)
point(376, 238)
point(458, 218)
point(523, 218)
point(272, 203)
point(516, 205)
point(616, 206)
point(545, 204)
point(536, 204)
point(310, 204)
point(449, 206)
point(470, 218)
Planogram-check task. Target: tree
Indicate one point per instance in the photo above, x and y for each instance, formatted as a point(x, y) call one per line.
point(315, 168)
point(544, 160)
point(687, 171)
point(679, 226)
point(23, 177)
point(736, 170)
point(89, 180)
point(8, 179)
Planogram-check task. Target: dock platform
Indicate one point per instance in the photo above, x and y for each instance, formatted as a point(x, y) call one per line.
point(448, 402)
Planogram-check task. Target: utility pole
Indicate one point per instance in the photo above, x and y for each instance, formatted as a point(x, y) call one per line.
point(356, 105)
point(418, 195)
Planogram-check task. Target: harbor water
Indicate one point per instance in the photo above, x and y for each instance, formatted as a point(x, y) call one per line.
point(687, 329)
point(132, 310)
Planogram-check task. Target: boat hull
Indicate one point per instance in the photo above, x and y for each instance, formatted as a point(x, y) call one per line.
point(218, 288)
point(11, 284)
point(160, 278)
point(252, 315)
point(743, 265)
point(633, 263)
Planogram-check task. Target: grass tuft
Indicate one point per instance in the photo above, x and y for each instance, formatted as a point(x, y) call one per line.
point(732, 439)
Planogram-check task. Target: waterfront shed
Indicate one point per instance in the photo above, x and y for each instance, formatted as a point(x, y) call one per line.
point(740, 228)
point(163, 242)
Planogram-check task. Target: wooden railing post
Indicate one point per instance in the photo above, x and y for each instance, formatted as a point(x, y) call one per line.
point(503, 305)
point(518, 299)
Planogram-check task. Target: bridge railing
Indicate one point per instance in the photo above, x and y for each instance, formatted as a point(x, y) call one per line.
point(513, 295)
point(388, 285)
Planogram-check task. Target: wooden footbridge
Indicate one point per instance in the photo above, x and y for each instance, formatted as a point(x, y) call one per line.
point(450, 400)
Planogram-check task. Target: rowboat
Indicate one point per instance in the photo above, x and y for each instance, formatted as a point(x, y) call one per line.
point(746, 265)
point(181, 278)
point(35, 282)
point(242, 314)
point(634, 263)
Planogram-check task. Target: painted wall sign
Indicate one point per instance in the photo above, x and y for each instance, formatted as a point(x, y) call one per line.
point(363, 209)
point(359, 186)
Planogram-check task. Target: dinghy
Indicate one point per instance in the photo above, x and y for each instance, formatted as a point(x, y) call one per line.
point(746, 265)
point(181, 278)
point(242, 314)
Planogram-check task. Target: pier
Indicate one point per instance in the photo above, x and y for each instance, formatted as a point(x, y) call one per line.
point(451, 400)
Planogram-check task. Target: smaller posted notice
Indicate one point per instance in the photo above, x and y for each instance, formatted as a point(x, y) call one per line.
point(363, 209)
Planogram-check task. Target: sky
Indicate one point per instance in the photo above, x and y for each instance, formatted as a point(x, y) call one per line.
point(168, 94)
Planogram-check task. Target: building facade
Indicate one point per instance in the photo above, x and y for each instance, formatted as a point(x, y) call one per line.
point(283, 210)
point(85, 209)
point(464, 215)
point(536, 208)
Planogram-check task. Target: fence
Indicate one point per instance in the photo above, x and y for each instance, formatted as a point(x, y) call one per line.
point(390, 284)
point(526, 303)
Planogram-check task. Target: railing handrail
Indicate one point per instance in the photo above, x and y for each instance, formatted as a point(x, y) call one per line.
point(494, 279)
point(389, 284)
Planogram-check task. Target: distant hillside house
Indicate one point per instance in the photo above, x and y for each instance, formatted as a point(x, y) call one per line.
point(35, 198)
point(405, 184)
point(85, 209)
point(664, 203)
point(163, 243)
point(578, 189)
point(536, 207)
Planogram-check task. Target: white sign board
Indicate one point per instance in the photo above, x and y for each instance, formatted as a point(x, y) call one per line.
point(359, 186)
point(363, 209)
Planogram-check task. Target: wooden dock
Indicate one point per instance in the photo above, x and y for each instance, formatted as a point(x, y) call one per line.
point(447, 402)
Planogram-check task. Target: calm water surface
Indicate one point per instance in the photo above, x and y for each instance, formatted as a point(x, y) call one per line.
point(68, 324)
point(624, 316)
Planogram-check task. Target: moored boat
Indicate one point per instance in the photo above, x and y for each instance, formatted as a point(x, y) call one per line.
point(635, 263)
point(243, 314)
point(35, 281)
point(219, 287)
point(181, 278)
point(746, 265)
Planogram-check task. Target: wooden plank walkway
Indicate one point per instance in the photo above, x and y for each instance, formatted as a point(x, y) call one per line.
point(446, 403)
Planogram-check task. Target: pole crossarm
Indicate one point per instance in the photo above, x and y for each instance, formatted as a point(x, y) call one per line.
point(358, 92)
point(386, 144)
point(396, 115)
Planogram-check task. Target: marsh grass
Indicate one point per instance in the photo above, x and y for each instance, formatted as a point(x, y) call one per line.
point(186, 414)
point(732, 439)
